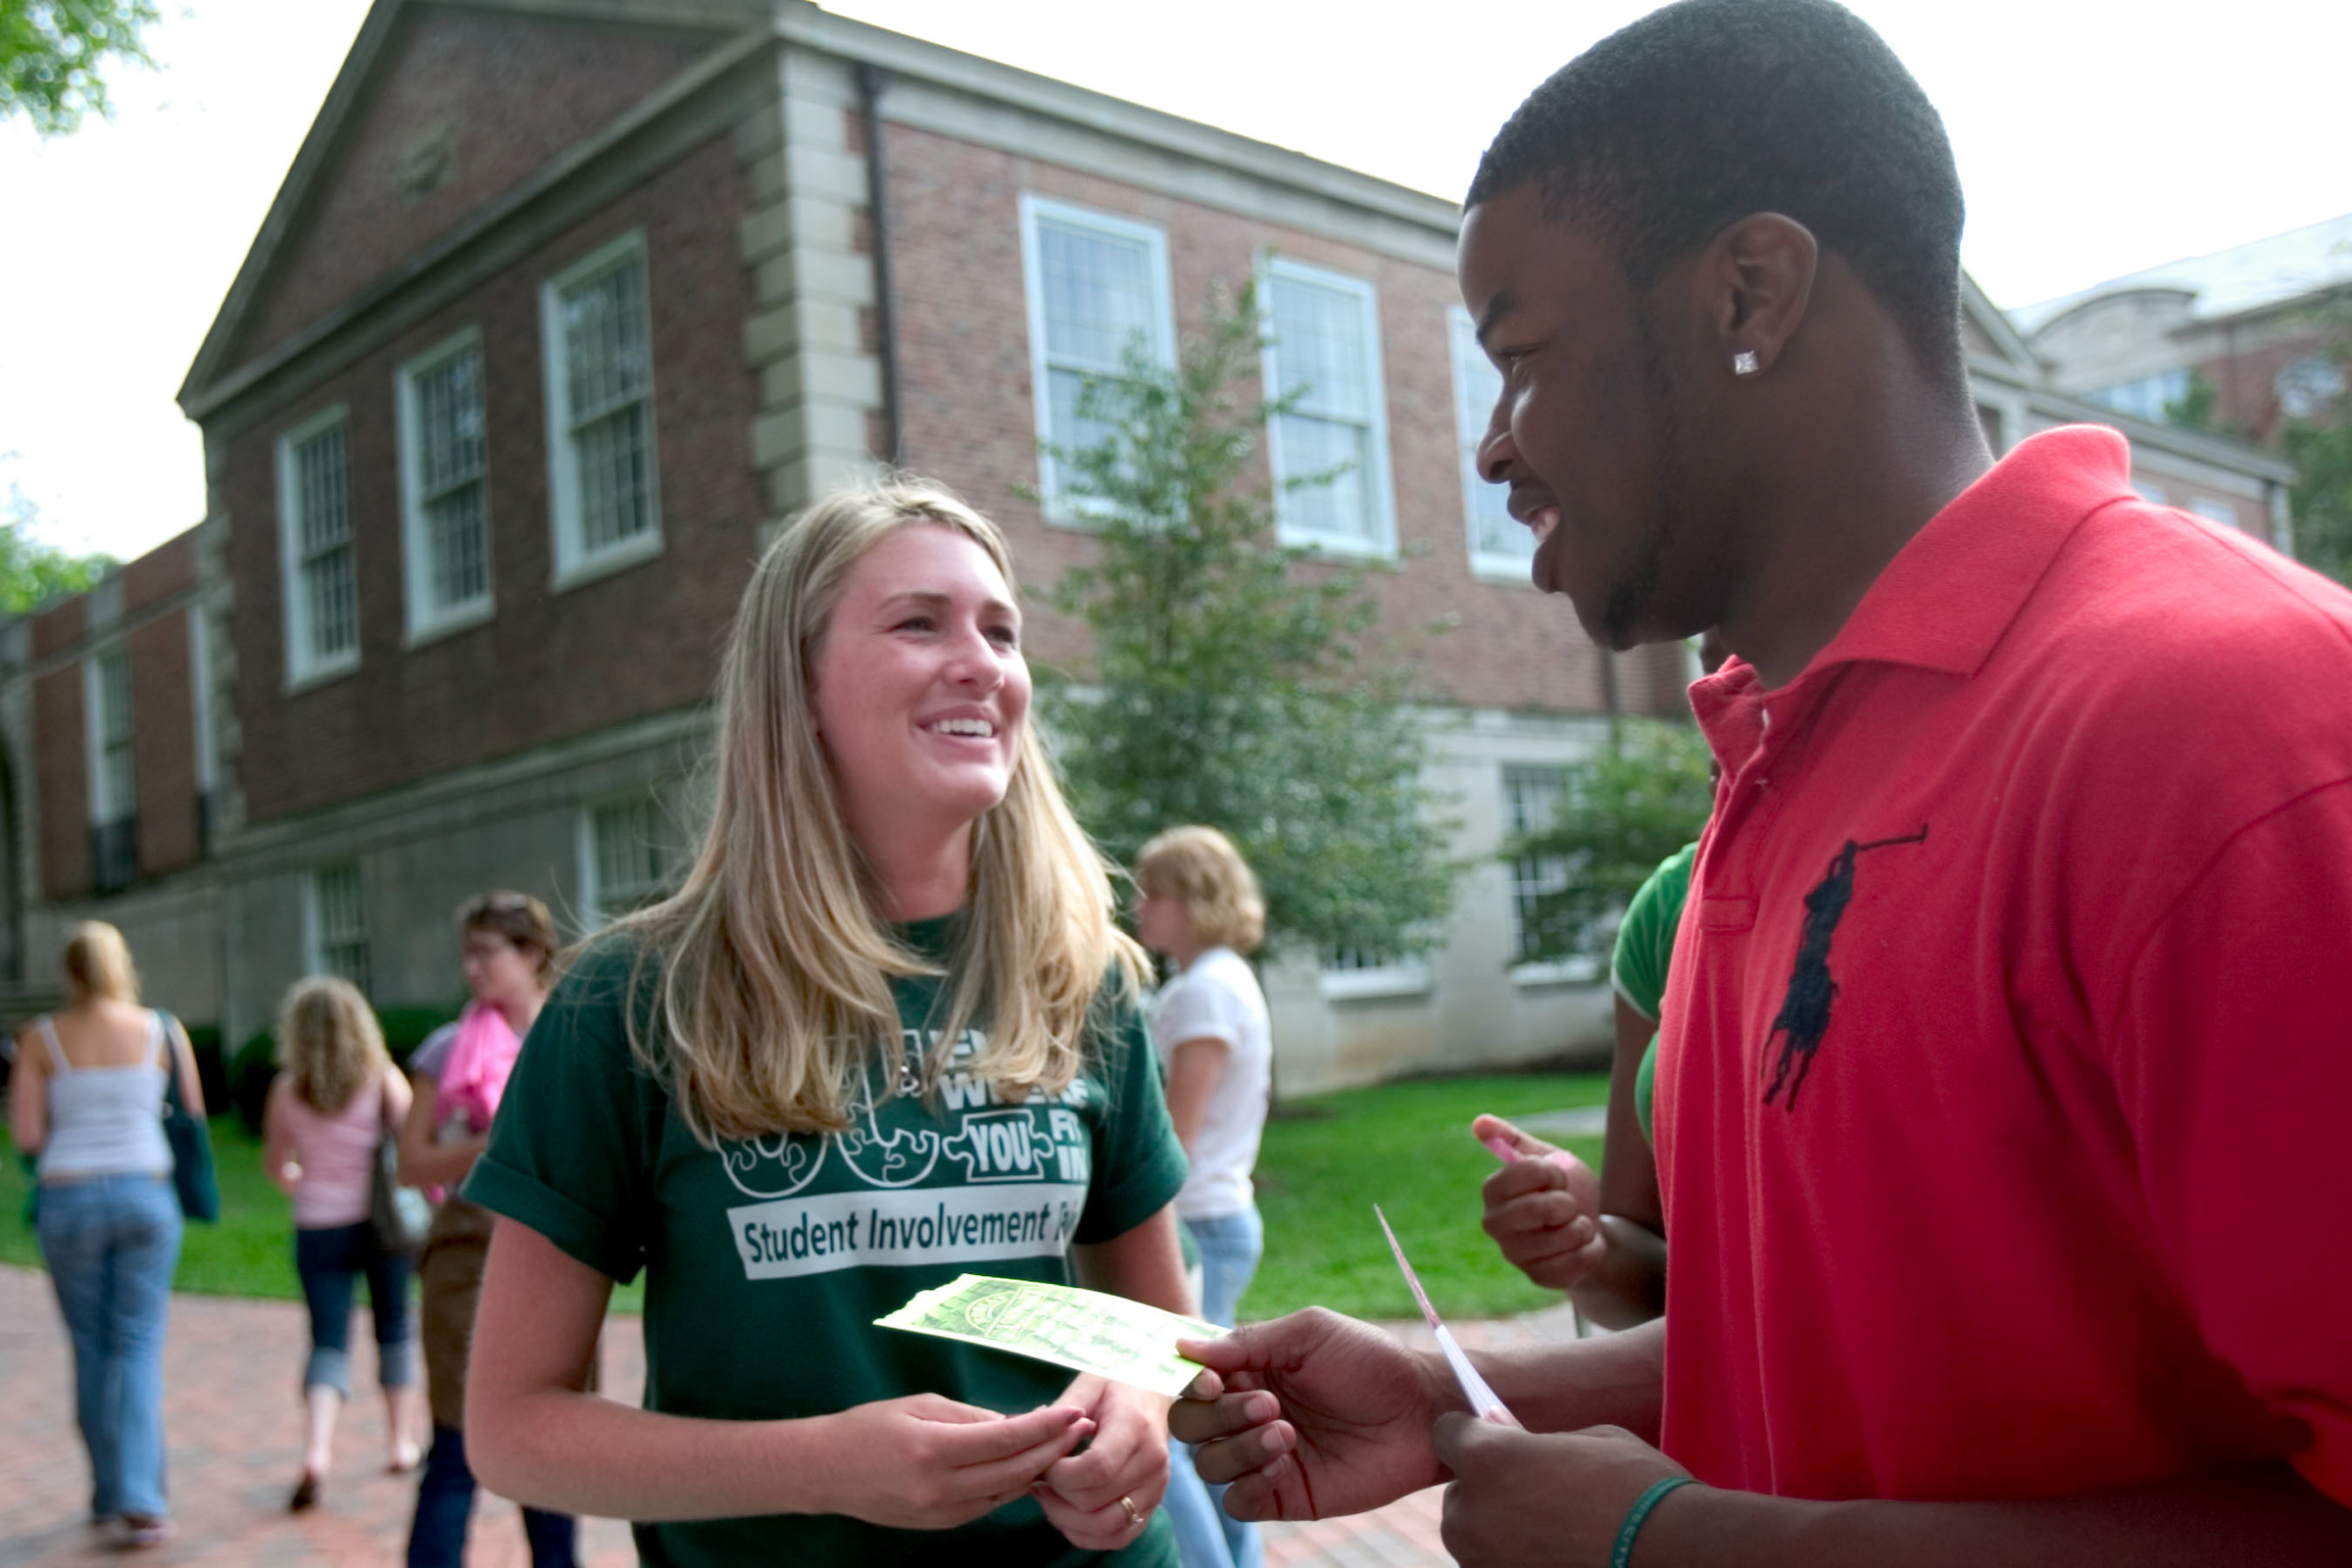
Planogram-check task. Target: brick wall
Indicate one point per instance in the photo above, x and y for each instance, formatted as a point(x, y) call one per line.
point(466, 107)
point(159, 573)
point(545, 666)
point(966, 404)
point(61, 781)
point(164, 744)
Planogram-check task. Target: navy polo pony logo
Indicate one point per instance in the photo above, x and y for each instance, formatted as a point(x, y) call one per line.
point(1805, 1015)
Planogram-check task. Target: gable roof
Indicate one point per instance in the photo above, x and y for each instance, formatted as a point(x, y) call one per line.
point(345, 99)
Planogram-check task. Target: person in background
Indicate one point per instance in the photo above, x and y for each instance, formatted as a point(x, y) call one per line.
point(886, 1033)
point(507, 945)
point(89, 1100)
point(1200, 908)
point(335, 1099)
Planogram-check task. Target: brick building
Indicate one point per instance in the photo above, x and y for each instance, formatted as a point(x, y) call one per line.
point(566, 303)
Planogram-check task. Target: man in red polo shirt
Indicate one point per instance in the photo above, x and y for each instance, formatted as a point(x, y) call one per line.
point(2008, 1042)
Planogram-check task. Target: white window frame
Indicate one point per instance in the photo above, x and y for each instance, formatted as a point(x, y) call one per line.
point(2218, 512)
point(316, 938)
point(304, 667)
point(426, 618)
point(1473, 412)
point(1380, 539)
point(593, 891)
point(574, 563)
point(1071, 510)
point(1396, 977)
point(1546, 878)
point(105, 809)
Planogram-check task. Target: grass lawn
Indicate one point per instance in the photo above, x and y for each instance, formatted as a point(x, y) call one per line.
point(250, 1252)
point(1406, 1147)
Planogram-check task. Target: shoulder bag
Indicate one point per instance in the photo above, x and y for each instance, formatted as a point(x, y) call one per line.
point(398, 1216)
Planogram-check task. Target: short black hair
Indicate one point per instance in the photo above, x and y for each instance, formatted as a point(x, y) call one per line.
point(1697, 116)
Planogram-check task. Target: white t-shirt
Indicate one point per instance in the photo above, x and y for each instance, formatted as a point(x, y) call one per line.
point(1217, 998)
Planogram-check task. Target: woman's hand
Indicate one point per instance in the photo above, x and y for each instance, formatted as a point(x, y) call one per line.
point(925, 1462)
point(1543, 1208)
point(1101, 1499)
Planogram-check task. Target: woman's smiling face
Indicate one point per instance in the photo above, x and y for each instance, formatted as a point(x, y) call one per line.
point(920, 690)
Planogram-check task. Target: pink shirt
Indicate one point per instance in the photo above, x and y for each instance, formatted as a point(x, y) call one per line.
point(337, 1156)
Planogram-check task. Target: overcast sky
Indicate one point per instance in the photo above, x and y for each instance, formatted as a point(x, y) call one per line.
point(2094, 138)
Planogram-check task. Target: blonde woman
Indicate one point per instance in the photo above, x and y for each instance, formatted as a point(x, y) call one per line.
point(335, 1097)
point(885, 1034)
point(89, 1100)
point(1200, 906)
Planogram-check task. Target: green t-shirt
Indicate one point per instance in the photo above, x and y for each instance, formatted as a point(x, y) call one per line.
point(766, 1261)
point(1645, 947)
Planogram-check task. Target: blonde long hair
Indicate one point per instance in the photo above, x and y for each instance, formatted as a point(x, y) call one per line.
point(329, 1041)
point(775, 958)
point(98, 964)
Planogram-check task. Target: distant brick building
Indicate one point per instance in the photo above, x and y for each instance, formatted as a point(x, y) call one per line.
point(2254, 321)
point(567, 303)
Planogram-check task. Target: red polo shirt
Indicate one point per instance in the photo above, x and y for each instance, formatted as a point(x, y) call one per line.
point(2004, 1110)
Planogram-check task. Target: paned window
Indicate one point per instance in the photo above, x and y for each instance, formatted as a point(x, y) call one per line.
point(1097, 284)
point(442, 462)
point(626, 858)
point(338, 923)
point(1500, 545)
point(114, 795)
point(599, 412)
point(1531, 799)
point(322, 596)
point(1360, 971)
point(1330, 448)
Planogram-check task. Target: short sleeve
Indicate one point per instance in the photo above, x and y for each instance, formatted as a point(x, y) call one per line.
point(1138, 1163)
point(2234, 1065)
point(573, 1149)
point(1200, 1007)
point(1645, 936)
point(431, 1058)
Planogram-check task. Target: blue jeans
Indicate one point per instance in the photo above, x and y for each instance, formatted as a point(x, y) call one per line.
point(444, 1503)
point(110, 1243)
point(330, 1259)
point(1207, 1536)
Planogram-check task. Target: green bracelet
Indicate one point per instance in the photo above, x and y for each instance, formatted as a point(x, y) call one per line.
point(1623, 1556)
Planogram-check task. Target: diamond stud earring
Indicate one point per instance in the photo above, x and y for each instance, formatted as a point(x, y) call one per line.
point(1743, 363)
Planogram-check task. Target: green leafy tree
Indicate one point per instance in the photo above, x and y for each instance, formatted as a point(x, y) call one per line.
point(1237, 682)
point(53, 55)
point(2321, 498)
point(2193, 409)
point(31, 568)
point(1626, 806)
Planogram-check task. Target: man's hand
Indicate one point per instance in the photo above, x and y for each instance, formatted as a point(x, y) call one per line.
point(1128, 1459)
point(1311, 1415)
point(1556, 1498)
point(1543, 1208)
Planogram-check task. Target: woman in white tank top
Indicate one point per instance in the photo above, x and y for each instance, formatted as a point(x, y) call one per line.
point(89, 1099)
point(334, 1103)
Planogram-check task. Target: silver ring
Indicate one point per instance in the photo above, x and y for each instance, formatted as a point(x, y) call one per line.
point(1135, 1518)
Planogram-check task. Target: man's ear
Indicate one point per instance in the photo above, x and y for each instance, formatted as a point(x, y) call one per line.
point(1758, 273)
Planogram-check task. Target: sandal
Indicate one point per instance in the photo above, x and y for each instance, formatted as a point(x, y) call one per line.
point(306, 1493)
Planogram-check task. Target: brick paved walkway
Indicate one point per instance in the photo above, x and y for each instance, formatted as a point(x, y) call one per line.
point(234, 1424)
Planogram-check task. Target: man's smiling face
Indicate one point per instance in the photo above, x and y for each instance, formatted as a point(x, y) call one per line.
point(1588, 433)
